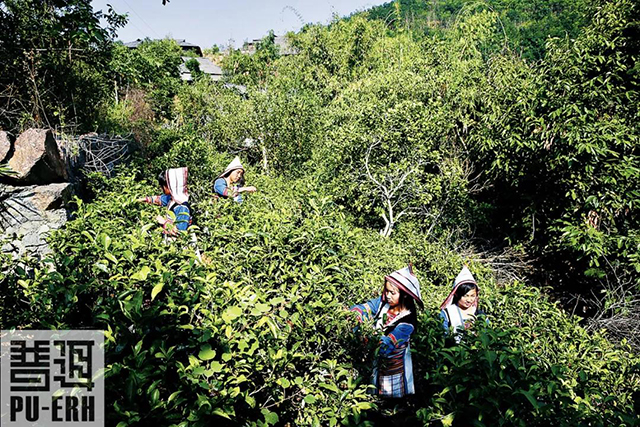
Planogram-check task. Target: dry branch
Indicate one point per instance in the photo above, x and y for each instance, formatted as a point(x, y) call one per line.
point(103, 152)
point(618, 308)
point(507, 264)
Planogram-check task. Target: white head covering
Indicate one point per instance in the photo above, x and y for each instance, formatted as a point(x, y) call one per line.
point(235, 164)
point(177, 182)
point(463, 277)
point(405, 280)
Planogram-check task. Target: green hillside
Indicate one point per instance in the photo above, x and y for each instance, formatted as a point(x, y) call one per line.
point(258, 334)
point(373, 146)
point(525, 26)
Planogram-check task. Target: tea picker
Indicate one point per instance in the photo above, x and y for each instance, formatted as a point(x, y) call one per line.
point(394, 315)
point(460, 308)
point(175, 197)
point(230, 183)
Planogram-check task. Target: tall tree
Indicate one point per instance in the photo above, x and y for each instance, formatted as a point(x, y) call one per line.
point(54, 54)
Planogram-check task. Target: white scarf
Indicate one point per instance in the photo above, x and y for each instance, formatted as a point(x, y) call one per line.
point(177, 182)
point(380, 325)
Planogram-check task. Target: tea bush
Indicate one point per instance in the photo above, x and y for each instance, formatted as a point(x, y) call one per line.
point(257, 333)
point(529, 365)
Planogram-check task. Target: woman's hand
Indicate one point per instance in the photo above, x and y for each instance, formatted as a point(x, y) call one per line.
point(161, 220)
point(249, 189)
point(141, 199)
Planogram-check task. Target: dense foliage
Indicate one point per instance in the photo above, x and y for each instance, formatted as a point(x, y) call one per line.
point(54, 56)
point(525, 26)
point(258, 333)
point(426, 123)
point(152, 67)
point(562, 151)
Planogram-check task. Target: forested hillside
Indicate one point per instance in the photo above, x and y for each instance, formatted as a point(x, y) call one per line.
point(524, 26)
point(447, 134)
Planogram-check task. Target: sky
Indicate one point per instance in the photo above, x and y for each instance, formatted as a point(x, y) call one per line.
point(209, 22)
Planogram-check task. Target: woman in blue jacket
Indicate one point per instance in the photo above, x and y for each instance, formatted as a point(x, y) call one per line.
point(460, 309)
point(230, 183)
point(394, 314)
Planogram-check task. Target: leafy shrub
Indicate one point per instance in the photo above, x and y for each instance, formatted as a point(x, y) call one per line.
point(152, 67)
point(560, 144)
point(55, 60)
point(530, 365)
point(258, 334)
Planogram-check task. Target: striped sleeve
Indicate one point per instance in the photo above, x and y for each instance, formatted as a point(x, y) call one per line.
point(368, 309)
point(153, 200)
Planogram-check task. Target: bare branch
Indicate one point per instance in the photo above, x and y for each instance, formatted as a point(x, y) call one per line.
point(100, 153)
point(366, 165)
point(391, 193)
point(618, 307)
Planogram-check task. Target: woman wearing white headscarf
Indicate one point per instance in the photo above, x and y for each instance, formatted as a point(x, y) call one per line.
point(230, 183)
point(460, 309)
point(175, 197)
point(394, 314)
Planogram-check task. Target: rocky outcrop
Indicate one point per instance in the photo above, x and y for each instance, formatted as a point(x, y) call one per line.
point(6, 145)
point(29, 213)
point(37, 159)
point(34, 198)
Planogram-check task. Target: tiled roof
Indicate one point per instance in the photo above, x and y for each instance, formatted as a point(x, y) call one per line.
point(206, 66)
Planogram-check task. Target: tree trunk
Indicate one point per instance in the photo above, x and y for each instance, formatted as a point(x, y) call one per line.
point(265, 164)
point(388, 219)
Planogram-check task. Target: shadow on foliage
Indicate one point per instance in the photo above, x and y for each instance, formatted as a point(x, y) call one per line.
point(491, 379)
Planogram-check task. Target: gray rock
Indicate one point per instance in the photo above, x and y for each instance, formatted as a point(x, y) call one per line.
point(5, 145)
point(32, 200)
point(32, 239)
point(37, 158)
point(56, 219)
point(52, 196)
point(28, 214)
point(10, 247)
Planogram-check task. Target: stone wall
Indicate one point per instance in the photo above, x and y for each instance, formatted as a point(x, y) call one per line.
point(29, 213)
point(34, 198)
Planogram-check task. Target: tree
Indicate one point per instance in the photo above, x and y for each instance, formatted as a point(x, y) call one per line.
point(153, 67)
point(54, 55)
point(393, 190)
point(527, 25)
point(193, 66)
point(560, 144)
point(251, 68)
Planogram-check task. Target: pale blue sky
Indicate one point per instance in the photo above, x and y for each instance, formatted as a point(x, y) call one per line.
point(209, 22)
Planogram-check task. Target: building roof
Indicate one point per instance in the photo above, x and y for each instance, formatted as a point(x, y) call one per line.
point(185, 45)
point(206, 66)
point(284, 47)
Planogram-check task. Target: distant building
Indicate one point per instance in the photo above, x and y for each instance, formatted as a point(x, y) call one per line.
point(185, 45)
point(284, 47)
point(206, 66)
